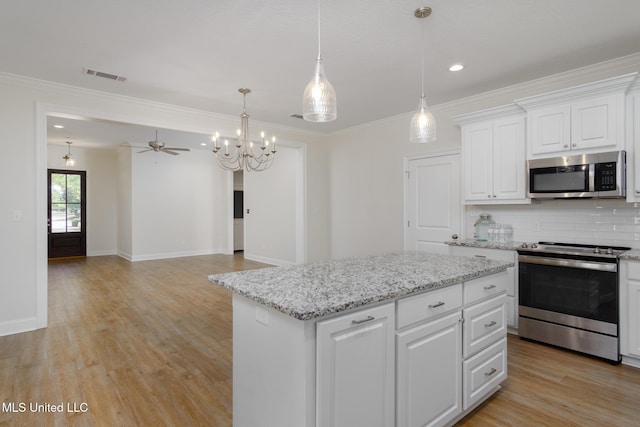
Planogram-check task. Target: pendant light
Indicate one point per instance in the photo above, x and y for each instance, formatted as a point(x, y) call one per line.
point(68, 160)
point(319, 99)
point(423, 124)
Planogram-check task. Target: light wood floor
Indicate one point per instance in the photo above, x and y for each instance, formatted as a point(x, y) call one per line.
point(149, 344)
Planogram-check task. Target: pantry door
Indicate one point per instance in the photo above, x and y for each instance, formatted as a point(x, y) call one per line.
point(67, 214)
point(432, 202)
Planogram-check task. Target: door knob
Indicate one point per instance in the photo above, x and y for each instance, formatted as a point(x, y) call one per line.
point(454, 236)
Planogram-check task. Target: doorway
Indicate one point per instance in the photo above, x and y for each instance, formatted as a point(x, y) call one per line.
point(66, 213)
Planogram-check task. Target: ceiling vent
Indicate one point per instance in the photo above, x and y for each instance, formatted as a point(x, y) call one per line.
point(296, 116)
point(103, 74)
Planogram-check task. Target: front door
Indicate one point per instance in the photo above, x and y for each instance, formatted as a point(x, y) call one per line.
point(433, 202)
point(67, 213)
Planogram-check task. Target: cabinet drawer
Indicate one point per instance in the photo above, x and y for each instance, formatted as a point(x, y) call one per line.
point(485, 287)
point(483, 372)
point(428, 305)
point(484, 324)
point(633, 270)
point(497, 254)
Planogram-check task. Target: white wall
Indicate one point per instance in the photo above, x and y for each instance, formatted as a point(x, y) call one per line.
point(271, 198)
point(125, 203)
point(24, 105)
point(366, 166)
point(174, 200)
point(102, 202)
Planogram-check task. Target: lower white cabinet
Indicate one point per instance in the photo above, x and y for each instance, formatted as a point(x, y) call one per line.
point(355, 369)
point(429, 373)
point(630, 310)
point(484, 323)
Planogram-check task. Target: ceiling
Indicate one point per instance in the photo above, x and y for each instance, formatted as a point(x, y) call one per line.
point(197, 53)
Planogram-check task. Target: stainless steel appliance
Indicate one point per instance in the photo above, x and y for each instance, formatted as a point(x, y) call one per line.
point(589, 175)
point(568, 296)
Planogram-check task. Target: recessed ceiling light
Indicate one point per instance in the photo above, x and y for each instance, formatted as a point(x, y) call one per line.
point(204, 144)
point(456, 67)
point(58, 126)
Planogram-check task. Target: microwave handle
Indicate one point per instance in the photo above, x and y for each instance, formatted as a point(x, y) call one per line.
point(592, 177)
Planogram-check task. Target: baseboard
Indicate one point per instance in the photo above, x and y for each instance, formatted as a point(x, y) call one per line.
point(102, 253)
point(266, 260)
point(18, 326)
point(150, 257)
point(631, 361)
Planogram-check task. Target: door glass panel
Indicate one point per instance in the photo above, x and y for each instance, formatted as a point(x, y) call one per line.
point(65, 203)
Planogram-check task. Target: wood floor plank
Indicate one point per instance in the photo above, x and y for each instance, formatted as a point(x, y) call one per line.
point(150, 344)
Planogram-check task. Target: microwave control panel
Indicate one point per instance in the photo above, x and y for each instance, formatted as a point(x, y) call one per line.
point(605, 176)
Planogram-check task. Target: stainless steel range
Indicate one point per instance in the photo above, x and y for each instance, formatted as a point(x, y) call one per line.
point(568, 296)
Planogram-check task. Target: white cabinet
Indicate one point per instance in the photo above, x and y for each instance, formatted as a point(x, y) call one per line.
point(493, 153)
point(633, 146)
point(586, 118)
point(512, 275)
point(429, 376)
point(483, 372)
point(594, 123)
point(356, 368)
point(630, 310)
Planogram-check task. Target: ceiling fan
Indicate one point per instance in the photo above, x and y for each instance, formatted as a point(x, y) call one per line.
point(157, 146)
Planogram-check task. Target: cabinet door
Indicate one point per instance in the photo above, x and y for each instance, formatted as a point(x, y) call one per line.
point(550, 129)
point(630, 308)
point(509, 158)
point(484, 324)
point(633, 108)
point(477, 142)
point(429, 373)
point(593, 122)
point(355, 369)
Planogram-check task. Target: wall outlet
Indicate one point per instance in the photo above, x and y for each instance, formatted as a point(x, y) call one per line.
point(17, 215)
point(536, 226)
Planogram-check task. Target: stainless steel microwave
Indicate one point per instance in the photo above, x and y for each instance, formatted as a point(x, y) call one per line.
point(601, 175)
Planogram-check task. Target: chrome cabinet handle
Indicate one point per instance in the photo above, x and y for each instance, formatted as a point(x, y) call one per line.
point(439, 304)
point(488, 288)
point(358, 322)
point(491, 372)
point(490, 324)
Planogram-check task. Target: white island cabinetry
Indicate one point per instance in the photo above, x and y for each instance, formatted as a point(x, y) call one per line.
point(375, 341)
point(630, 311)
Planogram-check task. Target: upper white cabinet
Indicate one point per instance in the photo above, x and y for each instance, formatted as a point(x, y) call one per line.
point(493, 155)
point(586, 118)
point(633, 145)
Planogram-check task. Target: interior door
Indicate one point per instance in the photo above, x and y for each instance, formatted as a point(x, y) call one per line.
point(67, 213)
point(433, 203)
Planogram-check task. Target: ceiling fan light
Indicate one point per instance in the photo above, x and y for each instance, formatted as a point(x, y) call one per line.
point(423, 125)
point(319, 99)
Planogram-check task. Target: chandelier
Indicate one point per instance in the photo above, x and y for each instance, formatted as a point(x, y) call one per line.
point(245, 156)
point(423, 124)
point(68, 160)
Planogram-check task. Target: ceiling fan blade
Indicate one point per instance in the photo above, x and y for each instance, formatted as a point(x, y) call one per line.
point(173, 153)
point(177, 149)
point(144, 151)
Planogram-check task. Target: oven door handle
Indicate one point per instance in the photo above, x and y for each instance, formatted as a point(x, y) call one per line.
point(574, 263)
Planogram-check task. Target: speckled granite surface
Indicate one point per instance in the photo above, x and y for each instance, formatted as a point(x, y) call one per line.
point(314, 290)
point(486, 245)
point(632, 255)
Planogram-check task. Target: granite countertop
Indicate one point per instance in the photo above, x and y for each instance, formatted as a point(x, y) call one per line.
point(314, 290)
point(471, 243)
point(631, 255)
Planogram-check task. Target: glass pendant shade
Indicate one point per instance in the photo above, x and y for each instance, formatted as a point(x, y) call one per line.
point(423, 124)
point(319, 99)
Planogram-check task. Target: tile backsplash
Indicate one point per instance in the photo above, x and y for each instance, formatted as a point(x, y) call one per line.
point(601, 221)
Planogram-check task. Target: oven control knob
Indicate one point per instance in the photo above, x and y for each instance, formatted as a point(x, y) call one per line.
point(524, 246)
point(609, 251)
point(596, 251)
point(533, 245)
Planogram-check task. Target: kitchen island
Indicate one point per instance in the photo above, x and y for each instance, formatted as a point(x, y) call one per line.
point(320, 344)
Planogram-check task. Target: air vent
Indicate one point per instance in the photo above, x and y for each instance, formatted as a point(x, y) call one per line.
point(104, 75)
point(296, 116)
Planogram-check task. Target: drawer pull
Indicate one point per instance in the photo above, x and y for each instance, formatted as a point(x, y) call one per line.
point(481, 256)
point(491, 372)
point(490, 324)
point(488, 288)
point(367, 319)
point(439, 304)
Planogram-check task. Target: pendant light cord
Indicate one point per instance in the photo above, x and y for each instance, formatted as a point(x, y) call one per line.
point(422, 56)
point(319, 56)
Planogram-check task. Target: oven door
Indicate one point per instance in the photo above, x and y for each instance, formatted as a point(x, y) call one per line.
point(578, 293)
